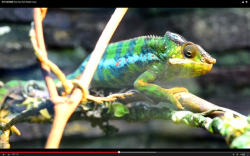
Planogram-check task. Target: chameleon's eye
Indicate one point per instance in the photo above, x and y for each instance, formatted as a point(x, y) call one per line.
point(190, 51)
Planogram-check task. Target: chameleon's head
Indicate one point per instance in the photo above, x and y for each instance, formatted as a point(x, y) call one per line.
point(186, 58)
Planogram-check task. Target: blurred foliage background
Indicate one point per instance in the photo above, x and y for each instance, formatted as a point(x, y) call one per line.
point(71, 34)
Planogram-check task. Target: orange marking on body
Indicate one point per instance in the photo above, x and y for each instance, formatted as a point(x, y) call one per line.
point(117, 63)
point(126, 60)
point(153, 56)
point(142, 82)
point(142, 55)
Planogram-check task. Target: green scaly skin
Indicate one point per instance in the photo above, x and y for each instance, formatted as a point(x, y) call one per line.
point(140, 61)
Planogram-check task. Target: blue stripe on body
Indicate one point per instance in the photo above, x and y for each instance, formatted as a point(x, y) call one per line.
point(118, 50)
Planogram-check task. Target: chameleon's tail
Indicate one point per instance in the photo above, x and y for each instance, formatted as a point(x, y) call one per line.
point(74, 75)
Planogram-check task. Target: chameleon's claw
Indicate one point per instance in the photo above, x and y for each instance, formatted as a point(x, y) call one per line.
point(172, 98)
point(71, 84)
point(177, 103)
point(85, 91)
point(61, 88)
point(178, 90)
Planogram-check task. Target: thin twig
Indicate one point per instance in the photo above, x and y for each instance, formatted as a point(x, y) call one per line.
point(101, 46)
point(44, 104)
point(40, 55)
point(198, 105)
point(40, 43)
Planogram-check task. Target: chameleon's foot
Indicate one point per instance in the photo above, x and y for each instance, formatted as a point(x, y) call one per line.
point(70, 86)
point(85, 91)
point(172, 98)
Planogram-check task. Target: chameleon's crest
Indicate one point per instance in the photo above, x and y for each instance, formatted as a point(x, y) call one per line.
point(152, 36)
point(136, 38)
point(178, 39)
point(147, 37)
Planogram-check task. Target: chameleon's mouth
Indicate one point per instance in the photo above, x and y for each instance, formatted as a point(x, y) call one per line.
point(179, 61)
point(210, 60)
point(189, 68)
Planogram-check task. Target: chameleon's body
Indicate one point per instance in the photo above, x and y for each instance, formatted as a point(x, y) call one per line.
point(140, 61)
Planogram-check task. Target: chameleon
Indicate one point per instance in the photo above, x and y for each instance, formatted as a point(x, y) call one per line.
point(140, 61)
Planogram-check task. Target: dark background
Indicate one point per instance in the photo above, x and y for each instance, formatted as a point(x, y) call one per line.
point(71, 34)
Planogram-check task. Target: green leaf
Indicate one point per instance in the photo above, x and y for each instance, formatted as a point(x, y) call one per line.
point(45, 113)
point(119, 109)
point(110, 108)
